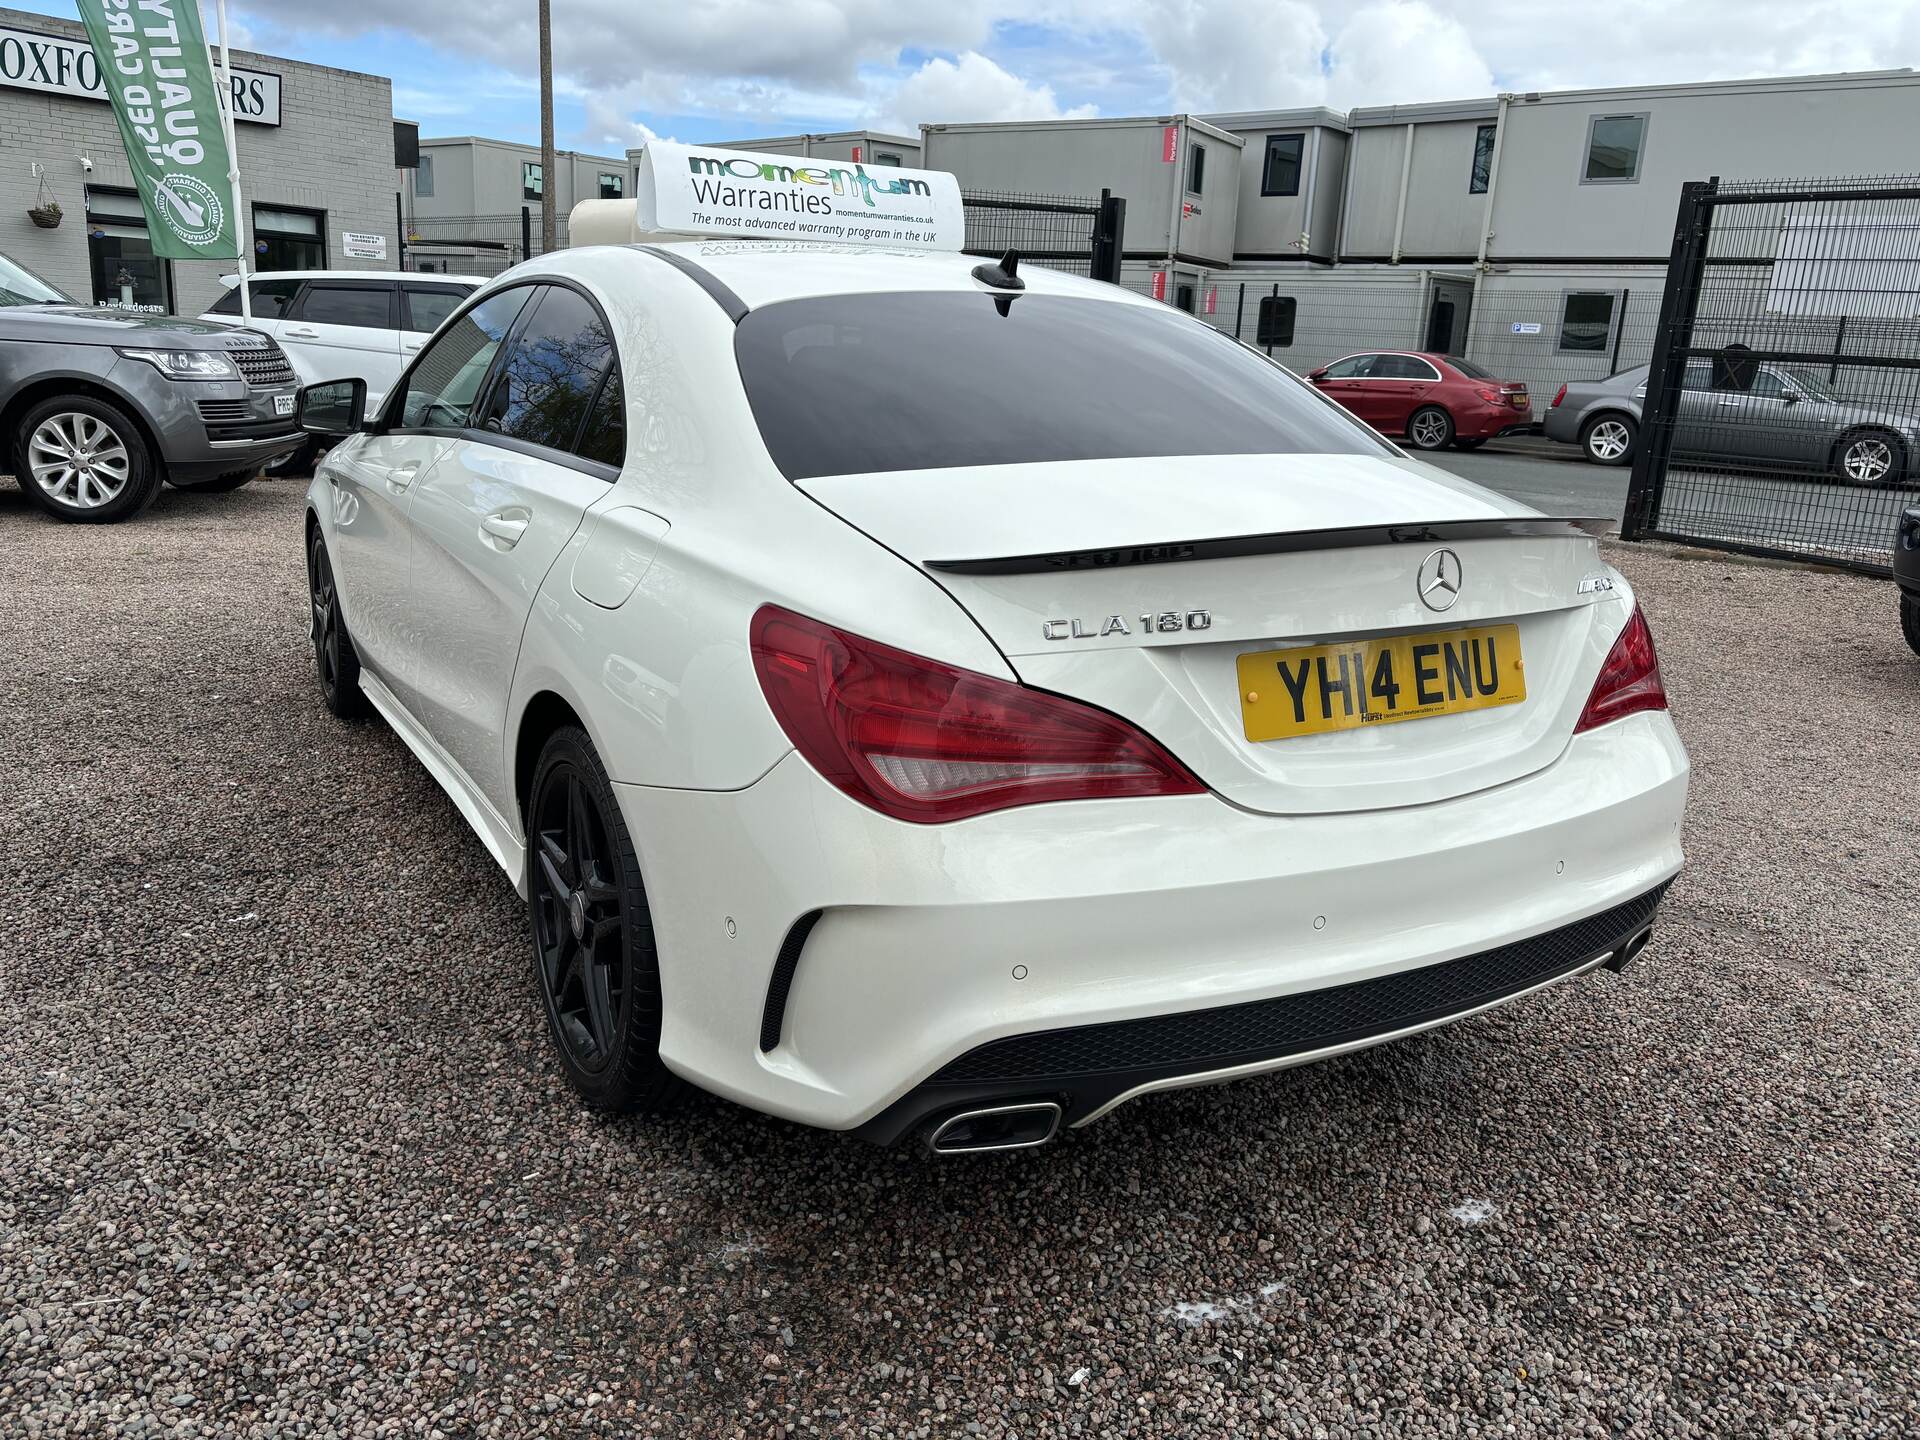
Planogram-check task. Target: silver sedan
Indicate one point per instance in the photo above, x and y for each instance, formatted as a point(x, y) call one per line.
point(1788, 419)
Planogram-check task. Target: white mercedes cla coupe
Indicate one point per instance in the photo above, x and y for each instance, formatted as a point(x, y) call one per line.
point(921, 699)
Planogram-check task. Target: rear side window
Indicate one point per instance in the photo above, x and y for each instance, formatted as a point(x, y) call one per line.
point(855, 384)
point(367, 307)
point(1402, 367)
point(270, 299)
point(427, 306)
point(548, 379)
point(605, 438)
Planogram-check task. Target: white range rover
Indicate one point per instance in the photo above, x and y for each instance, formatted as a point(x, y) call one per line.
point(924, 697)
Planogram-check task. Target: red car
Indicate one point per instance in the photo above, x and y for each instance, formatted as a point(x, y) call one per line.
point(1433, 400)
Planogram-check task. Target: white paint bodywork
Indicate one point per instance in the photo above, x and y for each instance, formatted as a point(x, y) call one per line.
point(1311, 862)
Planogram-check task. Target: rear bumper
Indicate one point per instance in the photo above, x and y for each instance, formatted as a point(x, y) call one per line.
point(882, 962)
point(1486, 423)
point(1906, 551)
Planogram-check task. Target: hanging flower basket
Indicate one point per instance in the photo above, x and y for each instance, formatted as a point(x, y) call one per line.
point(46, 216)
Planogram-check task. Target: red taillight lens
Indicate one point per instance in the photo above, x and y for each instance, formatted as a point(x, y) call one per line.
point(926, 742)
point(1630, 680)
point(1493, 395)
point(1558, 396)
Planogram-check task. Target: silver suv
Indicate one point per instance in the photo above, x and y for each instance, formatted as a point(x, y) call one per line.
point(98, 407)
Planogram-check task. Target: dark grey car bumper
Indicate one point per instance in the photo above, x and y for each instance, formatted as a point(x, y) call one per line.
point(205, 428)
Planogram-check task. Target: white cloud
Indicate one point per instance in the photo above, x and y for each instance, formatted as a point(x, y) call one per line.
point(1403, 52)
point(971, 88)
point(1237, 54)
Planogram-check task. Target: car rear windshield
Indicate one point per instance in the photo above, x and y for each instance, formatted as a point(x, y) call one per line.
point(857, 384)
point(1469, 369)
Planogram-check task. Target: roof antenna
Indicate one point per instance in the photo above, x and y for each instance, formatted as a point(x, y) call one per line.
point(1004, 275)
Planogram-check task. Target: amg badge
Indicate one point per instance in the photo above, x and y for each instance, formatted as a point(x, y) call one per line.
point(1163, 622)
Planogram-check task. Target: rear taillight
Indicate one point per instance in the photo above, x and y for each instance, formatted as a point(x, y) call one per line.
point(1558, 396)
point(1630, 680)
point(926, 742)
point(1493, 395)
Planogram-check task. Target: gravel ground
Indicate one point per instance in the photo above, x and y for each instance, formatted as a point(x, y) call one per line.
point(282, 1150)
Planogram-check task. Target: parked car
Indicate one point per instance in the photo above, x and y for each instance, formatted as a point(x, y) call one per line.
point(1790, 418)
point(1433, 400)
point(1906, 573)
point(336, 323)
point(885, 776)
point(99, 406)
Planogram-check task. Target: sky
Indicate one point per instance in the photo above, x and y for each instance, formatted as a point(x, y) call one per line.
point(629, 70)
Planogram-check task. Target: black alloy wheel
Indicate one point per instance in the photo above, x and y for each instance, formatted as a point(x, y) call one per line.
point(333, 653)
point(592, 933)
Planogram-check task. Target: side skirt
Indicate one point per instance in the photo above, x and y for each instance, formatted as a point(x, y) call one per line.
point(507, 849)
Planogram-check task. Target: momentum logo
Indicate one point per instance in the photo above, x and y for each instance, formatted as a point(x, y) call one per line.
point(807, 184)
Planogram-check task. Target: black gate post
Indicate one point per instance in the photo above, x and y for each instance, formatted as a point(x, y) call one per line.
point(1108, 229)
point(400, 225)
point(1672, 337)
point(526, 233)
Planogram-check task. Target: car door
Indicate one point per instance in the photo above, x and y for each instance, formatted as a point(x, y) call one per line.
point(1345, 381)
point(373, 478)
point(341, 328)
point(1779, 429)
point(1396, 387)
point(495, 513)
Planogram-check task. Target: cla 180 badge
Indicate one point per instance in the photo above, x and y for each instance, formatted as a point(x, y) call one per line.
point(1166, 622)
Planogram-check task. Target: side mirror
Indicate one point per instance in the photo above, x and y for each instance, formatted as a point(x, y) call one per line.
point(1319, 374)
point(334, 408)
point(1791, 397)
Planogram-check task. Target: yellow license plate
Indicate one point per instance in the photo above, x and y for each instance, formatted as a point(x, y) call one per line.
point(1311, 689)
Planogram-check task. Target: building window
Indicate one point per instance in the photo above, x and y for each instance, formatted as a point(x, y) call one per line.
point(532, 182)
point(611, 186)
point(1183, 297)
point(126, 273)
point(1276, 321)
point(886, 158)
point(1614, 143)
point(1586, 319)
point(1280, 174)
point(1196, 168)
point(423, 177)
point(1482, 160)
point(289, 239)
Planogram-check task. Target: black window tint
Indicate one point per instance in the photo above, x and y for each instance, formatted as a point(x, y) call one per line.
point(1586, 320)
point(441, 388)
point(953, 382)
point(1482, 174)
point(369, 307)
point(427, 307)
point(1280, 175)
point(227, 304)
point(270, 299)
point(605, 438)
point(1196, 168)
point(1276, 320)
point(1469, 369)
point(548, 377)
point(1400, 367)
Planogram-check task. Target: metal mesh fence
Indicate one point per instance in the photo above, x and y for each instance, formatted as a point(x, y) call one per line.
point(1051, 230)
point(475, 244)
point(1784, 415)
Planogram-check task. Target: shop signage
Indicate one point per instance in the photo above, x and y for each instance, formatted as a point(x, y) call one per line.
point(356, 246)
point(58, 66)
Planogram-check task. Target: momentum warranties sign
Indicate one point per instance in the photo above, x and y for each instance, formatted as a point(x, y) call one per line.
point(153, 58)
point(698, 190)
point(57, 66)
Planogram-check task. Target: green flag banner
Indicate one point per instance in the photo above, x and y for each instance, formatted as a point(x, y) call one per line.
point(153, 57)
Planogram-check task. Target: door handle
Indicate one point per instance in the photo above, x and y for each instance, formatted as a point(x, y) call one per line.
point(412, 346)
point(300, 334)
point(1730, 402)
point(401, 476)
point(505, 527)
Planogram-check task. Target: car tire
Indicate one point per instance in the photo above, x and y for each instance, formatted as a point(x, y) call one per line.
point(119, 480)
point(1463, 442)
point(334, 657)
point(218, 485)
point(1910, 620)
point(1430, 428)
point(1610, 439)
point(595, 962)
point(1870, 458)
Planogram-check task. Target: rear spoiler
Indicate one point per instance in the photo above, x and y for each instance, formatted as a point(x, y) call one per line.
point(1285, 542)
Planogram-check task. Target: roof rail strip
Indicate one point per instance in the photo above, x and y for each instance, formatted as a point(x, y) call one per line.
point(735, 307)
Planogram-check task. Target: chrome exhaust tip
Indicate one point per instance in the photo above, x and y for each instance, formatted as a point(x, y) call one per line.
point(997, 1127)
point(1620, 958)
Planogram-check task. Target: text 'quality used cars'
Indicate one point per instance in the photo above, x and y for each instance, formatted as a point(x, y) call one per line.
point(925, 697)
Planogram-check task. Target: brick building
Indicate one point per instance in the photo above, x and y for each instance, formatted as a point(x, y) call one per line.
point(316, 166)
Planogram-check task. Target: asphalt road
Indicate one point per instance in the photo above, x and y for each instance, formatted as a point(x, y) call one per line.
point(1551, 478)
point(284, 1150)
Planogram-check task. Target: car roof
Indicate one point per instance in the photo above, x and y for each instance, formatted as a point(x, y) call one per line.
point(256, 275)
point(761, 272)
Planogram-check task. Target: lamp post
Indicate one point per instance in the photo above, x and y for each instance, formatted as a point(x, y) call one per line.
point(547, 219)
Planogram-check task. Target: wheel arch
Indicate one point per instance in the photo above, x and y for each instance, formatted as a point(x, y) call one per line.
point(1606, 412)
point(48, 387)
point(546, 711)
